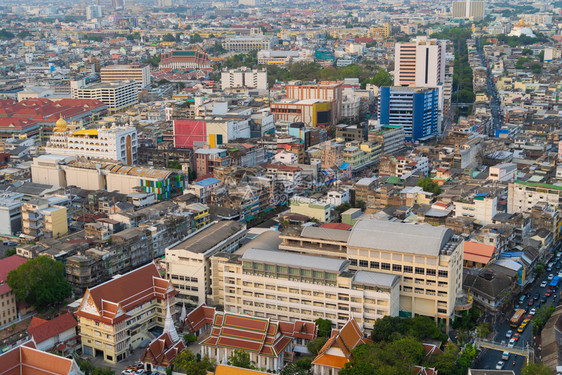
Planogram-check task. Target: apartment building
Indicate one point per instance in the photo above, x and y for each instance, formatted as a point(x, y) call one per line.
point(117, 95)
point(325, 91)
point(420, 63)
point(522, 196)
point(244, 78)
point(188, 262)
point(10, 213)
point(42, 219)
point(8, 306)
point(428, 259)
point(288, 286)
point(312, 208)
point(115, 317)
point(480, 206)
point(137, 72)
point(390, 137)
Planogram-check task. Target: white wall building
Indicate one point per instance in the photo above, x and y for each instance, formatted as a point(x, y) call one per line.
point(117, 95)
point(244, 78)
point(139, 73)
point(420, 63)
point(480, 207)
point(503, 172)
point(115, 143)
point(10, 213)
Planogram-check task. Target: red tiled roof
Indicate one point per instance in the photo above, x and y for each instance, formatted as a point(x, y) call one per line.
point(162, 351)
point(8, 264)
point(27, 360)
point(340, 226)
point(42, 330)
point(201, 316)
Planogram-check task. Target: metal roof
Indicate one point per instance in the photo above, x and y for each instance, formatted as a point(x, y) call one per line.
point(325, 234)
point(384, 280)
point(295, 260)
point(392, 236)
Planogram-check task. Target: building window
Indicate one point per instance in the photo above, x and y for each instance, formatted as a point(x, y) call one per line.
point(353, 262)
point(443, 274)
point(420, 271)
point(430, 272)
point(385, 266)
point(442, 311)
point(397, 268)
point(363, 263)
point(408, 269)
point(375, 265)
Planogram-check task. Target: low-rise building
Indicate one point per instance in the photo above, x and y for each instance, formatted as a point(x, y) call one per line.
point(41, 219)
point(312, 208)
point(8, 306)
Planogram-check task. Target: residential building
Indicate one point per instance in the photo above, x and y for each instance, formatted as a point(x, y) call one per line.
point(506, 172)
point(185, 60)
point(117, 143)
point(10, 213)
point(427, 258)
point(8, 306)
point(137, 72)
point(522, 196)
point(244, 78)
point(201, 217)
point(360, 155)
point(41, 219)
point(213, 130)
point(27, 359)
point(420, 63)
point(480, 206)
point(414, 109)
point(474, 10)
point(311, 112)
point(188, 262)
point(117, 95)
point(207, 159)
point(312, 208)
point(325, 91)
point(115, 317)
point(287, 286)
point(390, 137)
point(248, 43)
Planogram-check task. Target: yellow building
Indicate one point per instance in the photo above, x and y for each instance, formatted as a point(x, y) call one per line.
point(361, 154)
point(379, 32)
point(115, 317)
point(42, 219)
point(312, 208)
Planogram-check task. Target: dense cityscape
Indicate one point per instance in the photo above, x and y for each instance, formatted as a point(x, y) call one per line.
point(247, 187)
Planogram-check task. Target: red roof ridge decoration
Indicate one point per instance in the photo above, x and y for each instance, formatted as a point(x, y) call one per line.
point(162, 351)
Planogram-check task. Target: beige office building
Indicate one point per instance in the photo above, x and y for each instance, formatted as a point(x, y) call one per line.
point(188, 262)
point(428, 259)
point(288, 286)
point(139, 73)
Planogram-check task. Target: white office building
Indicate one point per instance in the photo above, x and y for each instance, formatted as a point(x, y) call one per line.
point(244, 78)
point(117, 95)
point(139, 73)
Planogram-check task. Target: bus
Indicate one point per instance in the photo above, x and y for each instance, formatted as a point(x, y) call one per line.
point(517, 318)
point(554, 282)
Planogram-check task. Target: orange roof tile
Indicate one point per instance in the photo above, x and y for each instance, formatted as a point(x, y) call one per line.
point(330, 361)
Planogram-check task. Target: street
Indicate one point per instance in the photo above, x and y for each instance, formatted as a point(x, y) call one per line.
point(491, 357)
point(491, 88)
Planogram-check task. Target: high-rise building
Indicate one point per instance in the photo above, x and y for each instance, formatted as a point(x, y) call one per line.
point(244, 78)
point(93, 12)
point(420, 62)
point(415, 109)
point(139, 73)
point(473, 10)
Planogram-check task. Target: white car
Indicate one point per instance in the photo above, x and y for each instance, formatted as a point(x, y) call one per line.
point(511, 343)
point(543, 284)
point(533, 311)
point(499, 365)
point(550, 277)
point(508, 334)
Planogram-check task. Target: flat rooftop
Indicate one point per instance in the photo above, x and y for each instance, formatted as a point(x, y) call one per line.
point(209, 237)
point(295, 260)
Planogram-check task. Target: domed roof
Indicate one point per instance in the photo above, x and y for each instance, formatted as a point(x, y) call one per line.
point(61, 124)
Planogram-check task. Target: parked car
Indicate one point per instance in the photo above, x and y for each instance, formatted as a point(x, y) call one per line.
point(533, 311)
point(499, 365)
point(508, 334)
point(543, 284)
point(505, 356)
point(516, 336)
point(511, 343)
point(531, 302)
point(550, 277)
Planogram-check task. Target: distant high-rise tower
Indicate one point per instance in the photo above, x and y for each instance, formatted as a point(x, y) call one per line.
point(473, 10)
point(117, 4)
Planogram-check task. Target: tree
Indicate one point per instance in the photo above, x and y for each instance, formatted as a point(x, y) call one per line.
point(536, 369)
point(446, 363)
point(39, 282)
point(324, 327)
point(196, 38)
point(526, 52)
point(536, 68)
point(189, 338)
point(187, 363)
point(168, 38)
point(541, 317)
point(89, 369)
point(6, 35)
point(540, 268)
point(466, 358)
point(381, 78)
point(302, 366)
point(10, 252)
point(427, 184)
point(315, 345)
point(240, 359)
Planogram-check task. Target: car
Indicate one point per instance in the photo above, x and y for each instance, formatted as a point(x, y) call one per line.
point(517, 307)
point(516, 336)
point(509, 333)
point(521, 328)
point(549, 269)
point(543, 284)
point(543, 299)
point(548, 293)
point(529, 317)
point(499, 365)
point(560, 274)
point(550, 277)
point(536, 296)
point(531, 302)
point(139, 371)
point(505, 356)
point(533, 311)
point(511, 343)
